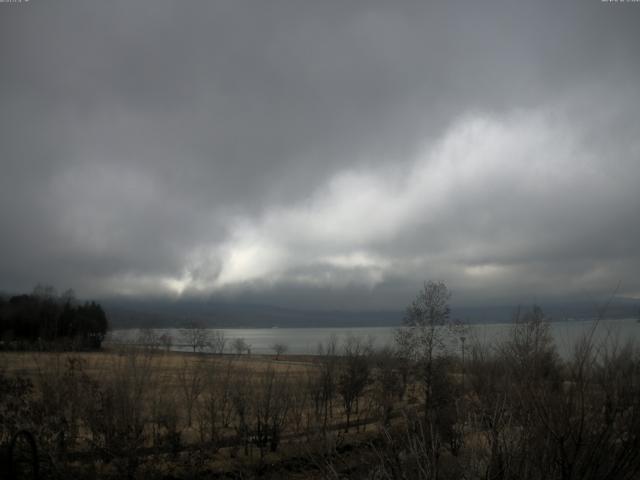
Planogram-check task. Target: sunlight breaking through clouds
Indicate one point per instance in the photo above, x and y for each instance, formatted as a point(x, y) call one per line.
point(488, 189)
point(322, 156)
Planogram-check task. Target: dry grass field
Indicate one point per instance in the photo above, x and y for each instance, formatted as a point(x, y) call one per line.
point(180, 412)
point(513, 410)
point(32, 364)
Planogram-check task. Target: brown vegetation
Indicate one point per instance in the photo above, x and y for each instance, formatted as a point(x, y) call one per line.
point(517, 412)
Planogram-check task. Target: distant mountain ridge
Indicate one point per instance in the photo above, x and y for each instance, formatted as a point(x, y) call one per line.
point(159, 313)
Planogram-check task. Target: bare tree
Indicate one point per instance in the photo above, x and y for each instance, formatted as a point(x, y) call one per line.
point(271, 404)
point(240, 346)
point(191, 382)
point(241, 401)
point(165, 428)
point(279, 349)
point(354, 375)
point(300, 408)
point(148, 338)
point(115, 412)
point(216, 407)
point(424, 331)
point(166, 341)
point(323, 384)
point(389, 385)
point(217, 341)
point(530, 347)
point(195, 335)
point(422, 340)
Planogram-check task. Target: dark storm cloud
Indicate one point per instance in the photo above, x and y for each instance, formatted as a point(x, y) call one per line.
point(320, 153)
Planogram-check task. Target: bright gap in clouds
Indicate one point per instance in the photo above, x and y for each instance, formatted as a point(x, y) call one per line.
point(470, 206)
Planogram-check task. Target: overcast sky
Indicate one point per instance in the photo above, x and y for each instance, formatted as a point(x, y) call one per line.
point(329, 154)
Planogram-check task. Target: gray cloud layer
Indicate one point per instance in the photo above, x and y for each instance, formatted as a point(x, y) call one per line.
point(320, 153)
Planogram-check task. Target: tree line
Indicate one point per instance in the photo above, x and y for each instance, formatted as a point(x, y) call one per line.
point(43, 318)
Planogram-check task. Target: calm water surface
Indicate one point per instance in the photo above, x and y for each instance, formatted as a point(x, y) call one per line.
point(306, 340)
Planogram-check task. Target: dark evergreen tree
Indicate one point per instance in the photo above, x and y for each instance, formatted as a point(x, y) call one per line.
point(45, 318)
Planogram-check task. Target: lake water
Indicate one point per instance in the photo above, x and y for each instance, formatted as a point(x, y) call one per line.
point(306, 340)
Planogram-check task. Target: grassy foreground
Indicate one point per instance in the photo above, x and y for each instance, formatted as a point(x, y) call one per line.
point(507, 411)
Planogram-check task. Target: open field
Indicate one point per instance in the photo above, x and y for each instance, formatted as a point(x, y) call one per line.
point(96, 363)
point(510, 410)
point(242, 410)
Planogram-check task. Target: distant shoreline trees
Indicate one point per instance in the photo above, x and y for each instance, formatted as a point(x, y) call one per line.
point(43, 317)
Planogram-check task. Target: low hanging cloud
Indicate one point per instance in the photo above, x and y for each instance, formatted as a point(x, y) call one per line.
point(495, 201)
point(332, 154)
